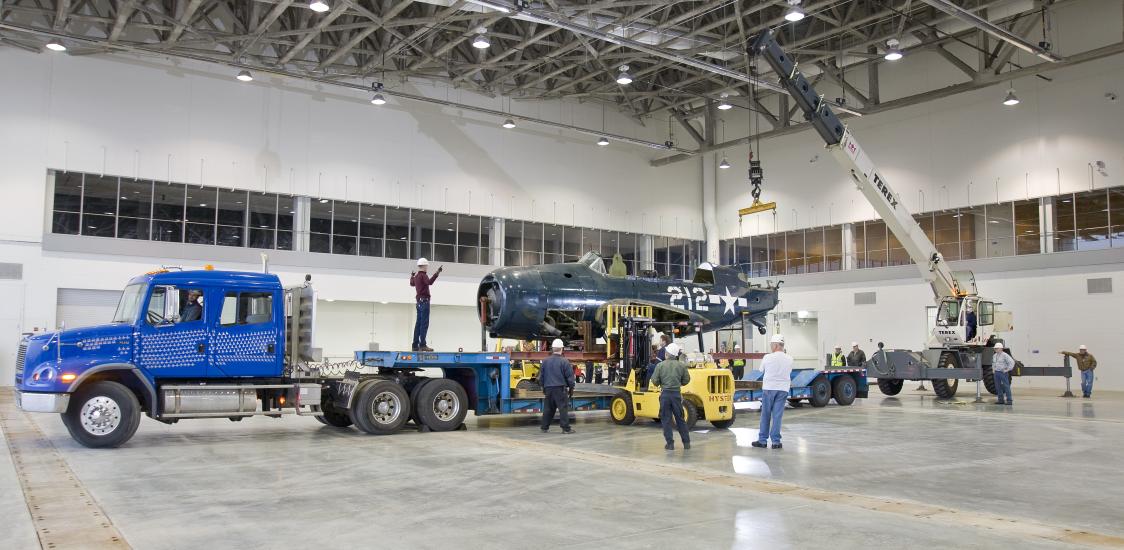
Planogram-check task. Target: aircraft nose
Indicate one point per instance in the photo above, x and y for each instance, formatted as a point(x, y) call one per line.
point(490, 299)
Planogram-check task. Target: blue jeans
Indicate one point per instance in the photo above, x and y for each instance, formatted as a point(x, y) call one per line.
point(1087, 383)
point(1003, 387)
point(421, 327)
point(671, 412)
point(772, 409)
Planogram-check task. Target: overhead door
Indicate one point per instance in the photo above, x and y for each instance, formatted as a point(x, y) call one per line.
point(81, 307)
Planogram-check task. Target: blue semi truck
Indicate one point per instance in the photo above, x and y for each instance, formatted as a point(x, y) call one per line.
point(225, 344)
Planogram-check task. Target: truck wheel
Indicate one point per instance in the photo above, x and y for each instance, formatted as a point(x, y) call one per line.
point(382, 407)
point(989, 380)
point(102, 414)
point(945, 388)
point(332, 417)
point(620, 409)
point(690, 413)
point(414, 391)
point(441, 404)
point(890, 386)
point(723, 424)
point(821, 392)
point(844, 389)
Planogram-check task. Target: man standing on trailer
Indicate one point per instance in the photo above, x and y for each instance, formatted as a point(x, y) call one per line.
point(1086, 363)
point(739, 364)
point(421, 283)
point(1001, 366)
point(857, 356)
point(775, 383)
point(556, 375)
point(671, 374)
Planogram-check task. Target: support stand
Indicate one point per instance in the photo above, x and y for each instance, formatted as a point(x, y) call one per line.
point(979, 396)
point(1068, 391)
point(921, 387)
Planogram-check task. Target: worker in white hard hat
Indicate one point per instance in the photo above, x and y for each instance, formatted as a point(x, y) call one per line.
point(838, 360)
point(671, 375)
point(970, 324)
point(1001, 366)
point(556, 375)
point(775, 384)
point(421, 283)
point(659, 345)
point(857, 356)
point(1086, 363)
point(738, 364)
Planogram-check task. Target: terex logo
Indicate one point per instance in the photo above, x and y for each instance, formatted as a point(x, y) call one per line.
point(885, 189)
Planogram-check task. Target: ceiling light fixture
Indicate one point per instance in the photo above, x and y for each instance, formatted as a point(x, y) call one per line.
point(725, 105)
point(795, 12)
point(893, 50)
point(724, 164)
point(56, 46)
point(1011, 100)
point(481, 40)
point(624, 79)
point(378, 100)
point(509, 124)
point(244, 76)
point(318, 6)
point(603, 141)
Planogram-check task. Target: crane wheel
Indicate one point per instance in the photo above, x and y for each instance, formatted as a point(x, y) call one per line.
point(890, 386)
point(945, 388)
point(989, 380)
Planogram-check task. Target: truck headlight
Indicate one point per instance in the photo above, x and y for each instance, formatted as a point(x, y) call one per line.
point(45, 373)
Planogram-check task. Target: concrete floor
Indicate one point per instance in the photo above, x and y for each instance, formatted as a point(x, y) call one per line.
point(885, 472)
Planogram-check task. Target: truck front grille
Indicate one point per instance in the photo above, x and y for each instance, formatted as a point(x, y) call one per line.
point(19, 361)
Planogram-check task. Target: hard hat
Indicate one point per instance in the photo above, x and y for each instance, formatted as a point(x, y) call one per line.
point(557, 344)
point(422, 262)
point(777, 339)
point(837, 346)
point(737, 346)
point(998, 345)
point(854, 344)
point(672, 350)
point(1082, 346)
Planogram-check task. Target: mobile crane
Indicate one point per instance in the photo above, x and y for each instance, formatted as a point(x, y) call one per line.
point(967, 325)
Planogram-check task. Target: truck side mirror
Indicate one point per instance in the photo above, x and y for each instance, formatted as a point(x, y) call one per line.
point(171, 304)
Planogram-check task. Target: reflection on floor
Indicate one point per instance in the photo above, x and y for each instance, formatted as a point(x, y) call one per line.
point(902, 471)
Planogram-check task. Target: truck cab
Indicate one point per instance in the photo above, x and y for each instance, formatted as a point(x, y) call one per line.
point(170, 327)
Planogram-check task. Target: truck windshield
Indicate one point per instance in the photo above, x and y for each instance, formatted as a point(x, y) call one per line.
point(129, 306)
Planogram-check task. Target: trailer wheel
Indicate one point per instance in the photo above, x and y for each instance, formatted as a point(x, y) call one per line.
point(102, 414)
point(690, 413)
point(945, 388)
point(620, 409)
point(821, 392)
point(723, 424)
point(844, 389)
point(890, 386)
point(989, 380)
point(331, 417)
point(796, 403)
point(381, 408)
point(441, 405)
point(414, 391)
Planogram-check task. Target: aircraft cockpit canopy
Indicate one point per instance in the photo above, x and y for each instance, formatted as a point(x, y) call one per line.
point(594, 261)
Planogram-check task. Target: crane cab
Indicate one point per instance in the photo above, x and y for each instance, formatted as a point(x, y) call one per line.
point(967, 321)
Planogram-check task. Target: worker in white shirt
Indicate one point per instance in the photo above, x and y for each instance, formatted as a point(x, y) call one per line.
point(1001, 366)
point(775, 383)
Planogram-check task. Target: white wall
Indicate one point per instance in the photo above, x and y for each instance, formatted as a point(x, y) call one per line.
point(195, 123)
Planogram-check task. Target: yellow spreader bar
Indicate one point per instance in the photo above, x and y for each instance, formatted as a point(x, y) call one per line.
point(757, 207)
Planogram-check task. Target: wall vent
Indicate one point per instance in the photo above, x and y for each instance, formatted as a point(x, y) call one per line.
point(11, 271)
point(866, 298)
point(1100, 286)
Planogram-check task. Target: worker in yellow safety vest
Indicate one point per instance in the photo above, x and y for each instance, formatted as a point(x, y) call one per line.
point(738, 364)
point(837, 358)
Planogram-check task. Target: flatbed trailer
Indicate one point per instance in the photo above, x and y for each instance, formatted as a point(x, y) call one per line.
point(816, 386)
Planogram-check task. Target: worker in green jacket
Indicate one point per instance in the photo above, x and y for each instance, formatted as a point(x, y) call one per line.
point(838, 360)
point(1086, 363)
point(670, 375)
point(738, 364)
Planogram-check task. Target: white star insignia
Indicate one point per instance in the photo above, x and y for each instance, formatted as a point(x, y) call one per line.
point(729, 302)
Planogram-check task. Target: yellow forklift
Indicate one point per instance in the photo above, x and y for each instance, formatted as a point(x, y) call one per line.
point(708, 396)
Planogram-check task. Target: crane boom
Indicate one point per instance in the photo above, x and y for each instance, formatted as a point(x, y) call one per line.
point(847, 151)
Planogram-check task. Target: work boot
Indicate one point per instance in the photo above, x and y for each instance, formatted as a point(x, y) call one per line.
point(1000, 403)
point(425, 348)
point(669, 446)
point(686, 445)
point(778, 446)
point(568, 431)
point(759, 445)
point(544, 430)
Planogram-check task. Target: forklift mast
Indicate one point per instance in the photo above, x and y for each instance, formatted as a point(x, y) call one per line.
point(847, 151)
